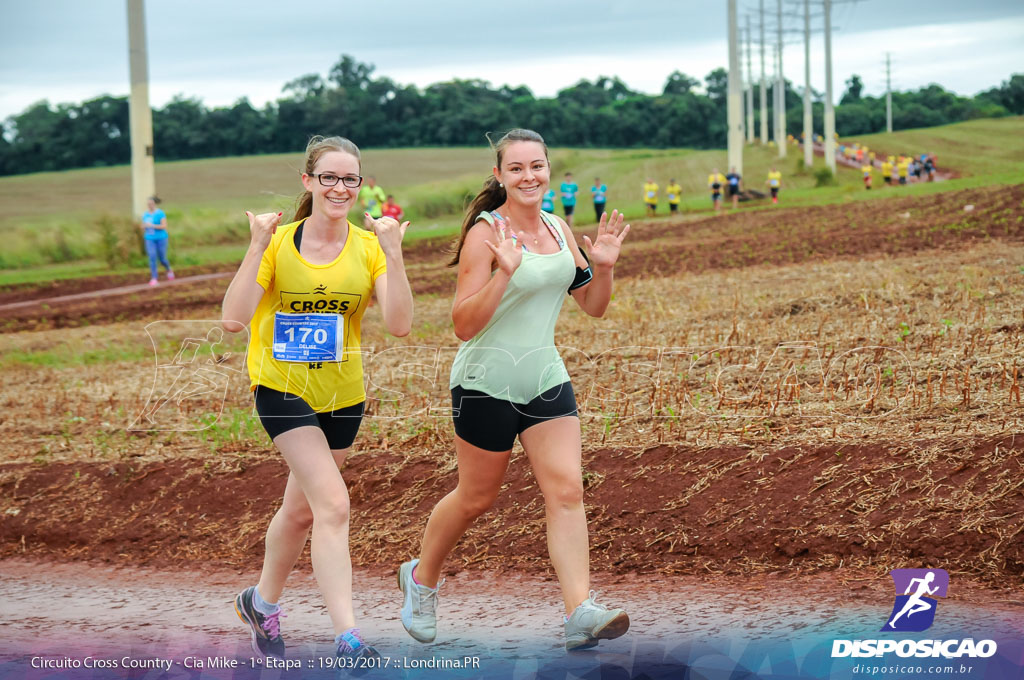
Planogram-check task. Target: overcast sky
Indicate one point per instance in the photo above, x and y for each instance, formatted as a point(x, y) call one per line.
point(222, 50)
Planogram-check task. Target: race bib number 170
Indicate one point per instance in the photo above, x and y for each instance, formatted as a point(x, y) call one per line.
point(308, 337)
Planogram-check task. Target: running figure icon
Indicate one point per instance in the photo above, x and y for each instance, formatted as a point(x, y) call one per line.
point(917, 593)
point(915, 604)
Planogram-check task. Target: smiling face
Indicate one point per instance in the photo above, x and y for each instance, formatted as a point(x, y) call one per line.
point(525, 172)
point(333, 202)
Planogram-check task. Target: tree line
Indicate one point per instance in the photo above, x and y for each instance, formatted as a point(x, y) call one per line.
point(377, 112)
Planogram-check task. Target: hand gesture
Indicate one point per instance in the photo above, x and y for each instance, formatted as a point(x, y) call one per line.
point(509, 251)
point(389, 233)
point(604, 250)
point(262, 227)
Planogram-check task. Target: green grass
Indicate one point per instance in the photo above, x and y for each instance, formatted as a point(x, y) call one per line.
point(978, 147)
point(50, 224)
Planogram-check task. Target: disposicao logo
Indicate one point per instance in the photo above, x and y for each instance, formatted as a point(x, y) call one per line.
point(913, 612)
point(914, 609)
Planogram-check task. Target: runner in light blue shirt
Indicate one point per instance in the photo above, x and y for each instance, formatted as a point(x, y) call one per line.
point(600, 193)
point(547, 204)
point(569, 189)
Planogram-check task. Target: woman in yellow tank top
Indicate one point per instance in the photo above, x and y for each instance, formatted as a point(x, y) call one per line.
point(304, 287)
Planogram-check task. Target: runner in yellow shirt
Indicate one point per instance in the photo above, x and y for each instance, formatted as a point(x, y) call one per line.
point(903, 168)
point(774, 183)
point(887, 171)
point(302, 289)
point(674, 192)
point(716, 181)
point(650, 196)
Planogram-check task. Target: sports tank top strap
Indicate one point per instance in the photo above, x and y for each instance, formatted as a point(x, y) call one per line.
point(549, 220)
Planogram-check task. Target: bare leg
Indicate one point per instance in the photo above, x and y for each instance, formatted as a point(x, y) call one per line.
point(287, 535)
point(553, 448)
point(480, 475)
point(316, 472)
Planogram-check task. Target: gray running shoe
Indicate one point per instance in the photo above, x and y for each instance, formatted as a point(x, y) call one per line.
point(591, 622)
point(419, 604)
point(265, 628)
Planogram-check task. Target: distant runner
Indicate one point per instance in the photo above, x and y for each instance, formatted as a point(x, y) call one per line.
point(715, 182)
point(373, 197)
point(600, 193)
point(569, 189)
point(774, 183)
point(734, 186)
point(650, 197)
point(674, 192)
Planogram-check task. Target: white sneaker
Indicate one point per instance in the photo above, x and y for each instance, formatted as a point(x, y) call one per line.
point(419, 604)
point(591, 622)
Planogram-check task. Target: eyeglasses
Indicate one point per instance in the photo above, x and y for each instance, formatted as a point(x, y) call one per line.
point(329, 180)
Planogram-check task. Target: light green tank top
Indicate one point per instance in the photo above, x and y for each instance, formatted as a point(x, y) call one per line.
point(514, 356)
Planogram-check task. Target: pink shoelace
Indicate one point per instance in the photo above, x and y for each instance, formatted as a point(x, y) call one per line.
point(272, 624)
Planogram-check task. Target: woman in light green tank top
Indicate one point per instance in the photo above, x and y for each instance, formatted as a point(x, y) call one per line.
point(516, 264)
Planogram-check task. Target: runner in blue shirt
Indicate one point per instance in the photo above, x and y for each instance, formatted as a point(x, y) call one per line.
point(600, 193)
point(569, 189)
point(154, 231)
point(547, 204)
point(734, 186)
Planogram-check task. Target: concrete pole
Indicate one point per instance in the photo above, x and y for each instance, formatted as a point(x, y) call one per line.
point(888, 94)
point(780, 113)
point(764, 86)
point(830, 114)
point(808, 118)
point(749, 90)
point(140, 115)
point(735, 101)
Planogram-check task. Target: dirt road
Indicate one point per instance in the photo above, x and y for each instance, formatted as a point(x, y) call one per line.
point(510, 622)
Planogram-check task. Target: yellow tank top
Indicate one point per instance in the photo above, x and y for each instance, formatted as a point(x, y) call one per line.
point(294, 286)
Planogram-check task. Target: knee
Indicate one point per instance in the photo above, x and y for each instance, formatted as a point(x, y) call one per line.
point(566, 495)
point(474, 505)
point(298, 518)
point(334, 514)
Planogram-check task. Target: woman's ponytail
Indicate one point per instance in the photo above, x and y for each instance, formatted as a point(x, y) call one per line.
point(490, 197)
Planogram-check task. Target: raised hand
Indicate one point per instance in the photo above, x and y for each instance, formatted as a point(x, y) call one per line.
point(389, 233)
point(509, 251)
point(604, 250)
point(262, 227)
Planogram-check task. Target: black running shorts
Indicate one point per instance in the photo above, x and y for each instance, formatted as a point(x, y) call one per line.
point(493, 424)
point(281, 411)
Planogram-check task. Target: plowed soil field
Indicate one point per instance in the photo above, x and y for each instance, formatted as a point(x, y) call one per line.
point(870, 465)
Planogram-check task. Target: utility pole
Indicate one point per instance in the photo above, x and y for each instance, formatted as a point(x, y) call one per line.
point(780, 111)
point(808, 118)
point(734, 101)
point(749, 90)
point(888, 93)
point(139, 113)
point(830, 114)
point(764, 87)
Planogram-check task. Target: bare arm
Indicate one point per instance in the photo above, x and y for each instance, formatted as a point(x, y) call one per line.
point(478, 292)
point(393, 292)
point(593, 298)
point(244, 293)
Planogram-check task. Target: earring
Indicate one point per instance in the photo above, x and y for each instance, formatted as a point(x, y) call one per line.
point(501, 185)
